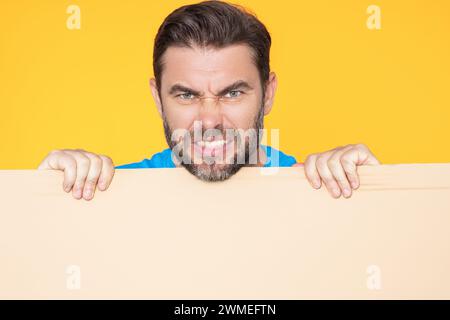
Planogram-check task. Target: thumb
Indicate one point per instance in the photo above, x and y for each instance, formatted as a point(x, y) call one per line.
point(360, 155)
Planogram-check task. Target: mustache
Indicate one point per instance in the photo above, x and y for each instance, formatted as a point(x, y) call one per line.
point(230, 135)
point(218, 130)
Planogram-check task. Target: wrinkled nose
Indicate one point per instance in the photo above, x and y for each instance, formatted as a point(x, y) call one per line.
point(210, 113)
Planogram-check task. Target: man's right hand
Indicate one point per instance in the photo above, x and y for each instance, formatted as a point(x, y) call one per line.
point(83, 171)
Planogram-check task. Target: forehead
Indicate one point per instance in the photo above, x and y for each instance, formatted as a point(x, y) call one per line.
point(209, 68)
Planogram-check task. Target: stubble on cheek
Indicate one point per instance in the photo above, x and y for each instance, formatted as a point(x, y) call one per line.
point(217, 164)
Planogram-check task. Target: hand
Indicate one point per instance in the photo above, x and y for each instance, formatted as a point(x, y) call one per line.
point(337, 168)
point(83, 171)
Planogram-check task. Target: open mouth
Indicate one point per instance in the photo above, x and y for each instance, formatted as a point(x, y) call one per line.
point(212, 148)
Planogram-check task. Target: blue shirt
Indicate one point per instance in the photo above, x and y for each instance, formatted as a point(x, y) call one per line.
point(163, 159)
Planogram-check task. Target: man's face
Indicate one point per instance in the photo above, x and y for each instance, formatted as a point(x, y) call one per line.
point(211, 94)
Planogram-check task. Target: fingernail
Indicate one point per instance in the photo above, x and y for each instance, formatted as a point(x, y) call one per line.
point(336, 192)
point(88, 193)
point(354, 185)
point(77, 193)
point(66, 188)
point(346, 192)
point(316, 184)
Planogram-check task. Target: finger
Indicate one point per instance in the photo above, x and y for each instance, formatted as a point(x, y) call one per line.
point(351, 159)
point(335, 166)
point(348, 162)
point(93, 175)
point(106, 174)
point(311, 172)
point(327, 176)
point(83, 164)
point(363, 156)
point(58, 160)
point(69, 165)
point(370, 158)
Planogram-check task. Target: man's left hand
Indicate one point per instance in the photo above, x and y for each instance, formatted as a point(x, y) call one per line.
point(337, 168)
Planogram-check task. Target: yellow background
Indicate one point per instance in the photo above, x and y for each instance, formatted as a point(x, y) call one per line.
point(339, 82)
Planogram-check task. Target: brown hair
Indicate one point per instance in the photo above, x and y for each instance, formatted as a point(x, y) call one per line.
point(213, 23)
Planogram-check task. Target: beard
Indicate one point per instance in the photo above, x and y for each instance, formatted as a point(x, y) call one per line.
point(220, 171)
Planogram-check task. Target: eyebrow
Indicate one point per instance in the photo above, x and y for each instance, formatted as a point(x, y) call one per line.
point(240, 84)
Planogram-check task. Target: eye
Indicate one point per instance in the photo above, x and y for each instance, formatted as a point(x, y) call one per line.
point(233, 94)
point(186, 96)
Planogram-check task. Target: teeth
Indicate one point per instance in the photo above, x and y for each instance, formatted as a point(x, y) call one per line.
point(211, 144)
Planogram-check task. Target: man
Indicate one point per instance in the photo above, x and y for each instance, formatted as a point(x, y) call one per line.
point(212, 77)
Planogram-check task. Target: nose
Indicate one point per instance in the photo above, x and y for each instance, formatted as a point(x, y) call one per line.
point(210, 113)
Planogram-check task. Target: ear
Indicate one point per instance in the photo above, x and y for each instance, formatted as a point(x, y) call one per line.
point(156, 96)
point(271, 87)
